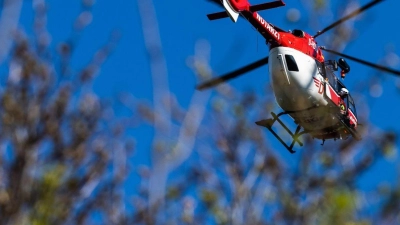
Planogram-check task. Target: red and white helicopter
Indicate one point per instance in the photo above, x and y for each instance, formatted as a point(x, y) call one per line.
point(304, 83)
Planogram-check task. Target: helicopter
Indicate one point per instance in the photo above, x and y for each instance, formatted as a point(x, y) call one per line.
point(304, 84)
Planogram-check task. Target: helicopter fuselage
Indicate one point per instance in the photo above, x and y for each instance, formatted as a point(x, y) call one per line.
point(301, 88)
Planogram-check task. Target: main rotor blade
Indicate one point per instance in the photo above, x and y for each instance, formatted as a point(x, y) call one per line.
point(218, 15)
point(268, 5)
point(376, 66)
point(233, 74)
point(353, 14)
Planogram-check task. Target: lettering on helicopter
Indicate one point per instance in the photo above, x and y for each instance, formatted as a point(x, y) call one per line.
point(311, 119)
point(268, 27)
point(312, 43)
point(321, 89)
point(319, 85)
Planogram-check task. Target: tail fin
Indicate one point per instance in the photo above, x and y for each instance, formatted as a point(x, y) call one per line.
point(234, 15)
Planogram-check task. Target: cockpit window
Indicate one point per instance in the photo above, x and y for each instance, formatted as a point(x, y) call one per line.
point(331, 76)
point(291, 63)
point(320, 68)
point(351, 105)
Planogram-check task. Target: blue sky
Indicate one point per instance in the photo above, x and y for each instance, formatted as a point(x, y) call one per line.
point(183, 23)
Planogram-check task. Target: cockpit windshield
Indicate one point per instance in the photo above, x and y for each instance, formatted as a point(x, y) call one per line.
point(330, 75)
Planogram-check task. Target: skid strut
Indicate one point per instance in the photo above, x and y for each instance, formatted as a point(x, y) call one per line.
point(295, 136)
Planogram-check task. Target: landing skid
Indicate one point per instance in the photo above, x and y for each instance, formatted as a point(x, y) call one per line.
point(295, 136)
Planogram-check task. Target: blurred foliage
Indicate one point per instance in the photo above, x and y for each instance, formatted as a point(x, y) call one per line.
point(58, 144)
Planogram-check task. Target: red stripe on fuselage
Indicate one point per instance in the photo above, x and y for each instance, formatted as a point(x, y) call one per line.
point(317, 82)
point(334, 96)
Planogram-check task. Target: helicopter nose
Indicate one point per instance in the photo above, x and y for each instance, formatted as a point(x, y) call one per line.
point(292, 77)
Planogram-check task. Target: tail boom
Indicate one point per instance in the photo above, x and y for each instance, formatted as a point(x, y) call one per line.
point(234, 7)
